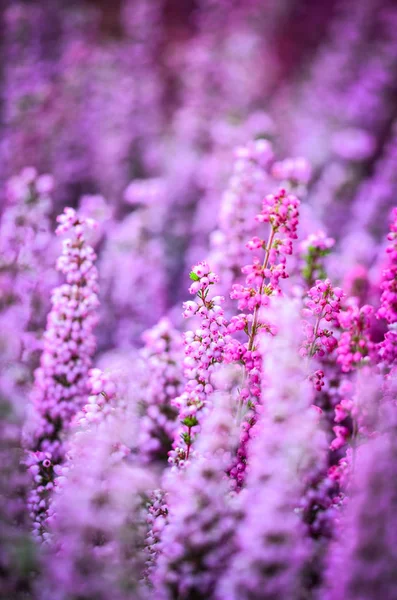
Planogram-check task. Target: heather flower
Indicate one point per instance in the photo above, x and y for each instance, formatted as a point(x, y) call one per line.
point(388, 347)
point(240, 202)
point(203, 352)
point(197, 540)
point(26, 253)
point(355, 415)
point(285, 448)
point(109, 401)
point(97, 528)
point(85, 96)
point(28, 205)
point(106, 394)
point(162, 382)
point(363, 556)
point(356, 282)
point(156, 519)
point(341, 436)
point(375, 196)
point(317, 378)
point(388, 307)
point(322, 305)
point(61, 381)
point(355, 347)
point(280, 211)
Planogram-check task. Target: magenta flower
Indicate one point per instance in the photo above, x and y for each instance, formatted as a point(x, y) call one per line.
point(322, 305)
point(355, 347)
point(204, 349)
point(286, 446)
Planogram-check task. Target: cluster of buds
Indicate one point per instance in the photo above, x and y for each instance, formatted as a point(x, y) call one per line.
point(323, 304)
point(355, 346)
point(281, 211)
point(157, 514)
point(345, 413)
point(317, 379)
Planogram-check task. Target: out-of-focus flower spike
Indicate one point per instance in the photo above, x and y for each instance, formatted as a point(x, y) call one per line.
point(363, 557)
point(62, 381)
point(286, 446)
point(198, 539)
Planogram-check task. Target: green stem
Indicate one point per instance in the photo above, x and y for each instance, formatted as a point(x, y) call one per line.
point(251, 337)
point(315, 334)
point(189, 445)
point(257, 308)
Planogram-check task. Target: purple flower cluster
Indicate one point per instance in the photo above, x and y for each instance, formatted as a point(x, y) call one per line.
point(285, 445)
point(197, 540)
point(240, 201)
point(280, 211)
point(355, 346)
point(106, 394)
point(162, 382)
point(98, 521)
point(363, 556)
point(204, 349)
point(26, 276)
point(322, 305)
point(61, 381)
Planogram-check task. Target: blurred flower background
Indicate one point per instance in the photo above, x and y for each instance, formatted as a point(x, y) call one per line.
point(236, 447)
